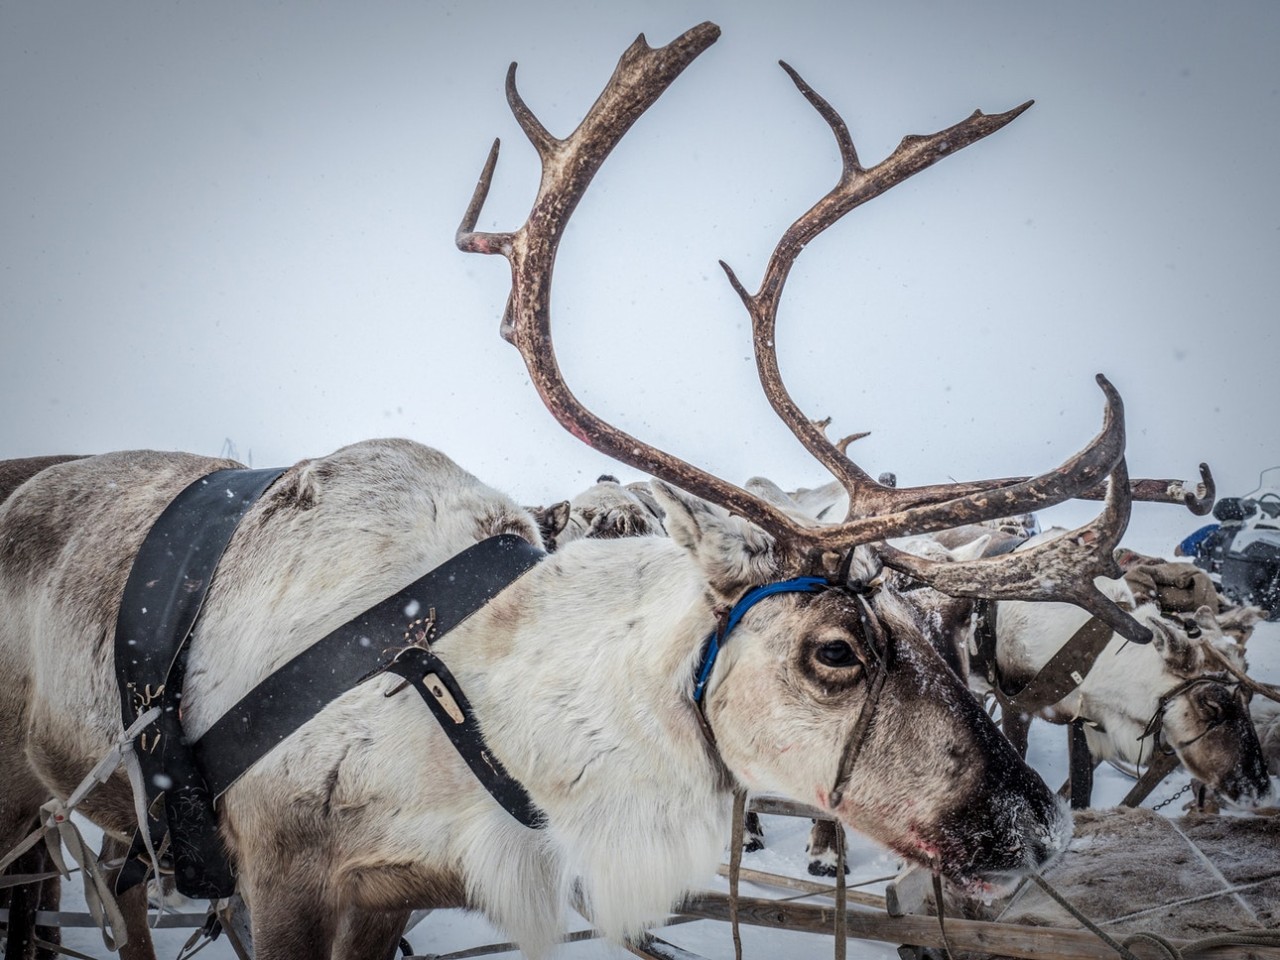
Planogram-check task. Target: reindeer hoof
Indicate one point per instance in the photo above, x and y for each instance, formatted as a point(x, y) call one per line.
point(752, 844)
point(825, 868)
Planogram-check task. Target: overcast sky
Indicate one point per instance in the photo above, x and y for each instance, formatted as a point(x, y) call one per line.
point(235, 221)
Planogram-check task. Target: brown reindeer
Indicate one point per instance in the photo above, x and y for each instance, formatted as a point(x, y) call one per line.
point(591, 675)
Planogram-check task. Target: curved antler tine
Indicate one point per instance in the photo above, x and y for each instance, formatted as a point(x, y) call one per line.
point(843, 443)
point(1199, 500)
point(467, 238)
point(1061, 569)
point(844, 142)
point(543, 142)
point(856, 186)
point(1267, 690)
point(1082, 471)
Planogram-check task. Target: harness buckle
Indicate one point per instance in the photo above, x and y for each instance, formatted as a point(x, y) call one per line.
point(435, 686)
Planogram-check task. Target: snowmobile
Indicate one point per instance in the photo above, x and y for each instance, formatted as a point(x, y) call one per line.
point(1242, 553)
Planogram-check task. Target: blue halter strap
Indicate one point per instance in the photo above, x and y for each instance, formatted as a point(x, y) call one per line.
point(718, 637)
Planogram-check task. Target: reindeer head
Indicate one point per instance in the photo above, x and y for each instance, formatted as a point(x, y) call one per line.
point(810, 682)
point(1205, 717)
point(832, 696)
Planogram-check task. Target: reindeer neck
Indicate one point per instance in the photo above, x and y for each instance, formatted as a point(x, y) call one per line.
point(580, 673)
point(601, 637)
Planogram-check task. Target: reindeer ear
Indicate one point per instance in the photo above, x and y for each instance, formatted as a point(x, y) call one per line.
point(556, 517)
point(1237, 622)
point(1208, 620)
point(1178, 651)
point(733, 554)
point(766, 489)
point(642, 492)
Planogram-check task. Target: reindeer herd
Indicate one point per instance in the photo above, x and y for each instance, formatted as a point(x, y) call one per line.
point(846, 687)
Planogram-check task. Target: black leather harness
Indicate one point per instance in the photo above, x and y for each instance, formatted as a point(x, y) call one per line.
point(165, 590)
point(1063, 673)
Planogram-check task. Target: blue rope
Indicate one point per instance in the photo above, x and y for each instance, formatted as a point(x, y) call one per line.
point(749, 599)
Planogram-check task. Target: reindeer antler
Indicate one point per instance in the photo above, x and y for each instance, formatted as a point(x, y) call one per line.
point(876, 511)
point(1270, 691)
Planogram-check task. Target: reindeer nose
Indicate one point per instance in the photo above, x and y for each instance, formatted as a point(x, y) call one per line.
point(1039, 852)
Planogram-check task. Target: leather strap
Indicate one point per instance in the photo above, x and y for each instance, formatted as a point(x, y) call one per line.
point(427, 608)
point(1065, 670)
point(166, 588)
point(441, 693)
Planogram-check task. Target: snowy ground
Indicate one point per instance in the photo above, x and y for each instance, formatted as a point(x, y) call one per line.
point(446, 931)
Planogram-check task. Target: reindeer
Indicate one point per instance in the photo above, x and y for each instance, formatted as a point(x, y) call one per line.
point(576, 670)
point(603, 511)
point(1186, 682)
point(1182, 677)
point(1180, 690)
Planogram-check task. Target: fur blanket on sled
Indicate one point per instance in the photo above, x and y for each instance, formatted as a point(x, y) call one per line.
point(1133, 870)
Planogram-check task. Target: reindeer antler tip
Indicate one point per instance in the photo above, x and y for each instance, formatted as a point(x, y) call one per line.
point(705, 31)
point(699, 37)
point(1201, 502)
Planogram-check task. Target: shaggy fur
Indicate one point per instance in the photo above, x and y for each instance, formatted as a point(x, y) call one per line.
point(1125, 868)
point(580, 673)
point(1266, 720)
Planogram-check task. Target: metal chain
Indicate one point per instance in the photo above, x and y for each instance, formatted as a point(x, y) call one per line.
point(1164, 803)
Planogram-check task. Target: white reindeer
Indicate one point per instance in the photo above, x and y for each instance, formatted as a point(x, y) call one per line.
point(581, 672)
point(1136, 698)
point(1173, 681)
point(1205, 723)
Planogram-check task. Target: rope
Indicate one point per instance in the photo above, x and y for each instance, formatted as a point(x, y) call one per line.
point(57, 830)
point(1262, 938)
point(841, 919)
point(1089, 925)
point(59, 948)
point(1241, 938)
point(735, 866)
point(942, 925)
point(1189, 900)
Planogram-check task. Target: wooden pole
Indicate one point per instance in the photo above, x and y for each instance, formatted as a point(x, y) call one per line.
point(1161, 766)
point(1004, 939)
point(804, 886)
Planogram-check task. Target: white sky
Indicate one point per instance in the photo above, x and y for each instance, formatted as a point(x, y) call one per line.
point(236, 221)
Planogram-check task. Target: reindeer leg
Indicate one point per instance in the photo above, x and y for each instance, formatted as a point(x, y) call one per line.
point(1081, 762)
point(370, 934)
point(752, 833)
point(822, 848)
point(291, 919)
point(50, 899)
point(22, 904)
point(18, 817)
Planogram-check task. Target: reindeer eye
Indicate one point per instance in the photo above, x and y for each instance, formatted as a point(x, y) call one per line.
point(837, 653)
